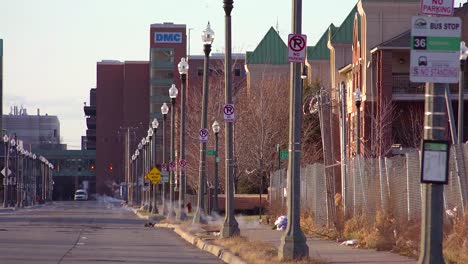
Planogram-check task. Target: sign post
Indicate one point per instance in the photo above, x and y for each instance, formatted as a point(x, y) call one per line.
point(435, 49)
point(297, 44)
point(437, 7)
point(203, 135)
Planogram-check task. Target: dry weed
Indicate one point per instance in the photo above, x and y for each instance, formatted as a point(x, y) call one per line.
point(256, 252)
point(456, 242)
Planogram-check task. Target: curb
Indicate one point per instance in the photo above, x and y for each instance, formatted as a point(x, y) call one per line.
point(218, 251)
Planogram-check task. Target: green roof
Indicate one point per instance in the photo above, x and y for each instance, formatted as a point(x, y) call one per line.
point(344, 34)
point(270, 50)
point(320, 51)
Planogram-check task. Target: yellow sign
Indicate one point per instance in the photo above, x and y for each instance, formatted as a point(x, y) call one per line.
point(154, 175)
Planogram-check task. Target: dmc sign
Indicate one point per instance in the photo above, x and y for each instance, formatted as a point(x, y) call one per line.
point(168, 37)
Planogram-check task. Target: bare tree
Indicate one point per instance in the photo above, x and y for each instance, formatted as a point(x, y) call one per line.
point(381, 123)
point(262, 124)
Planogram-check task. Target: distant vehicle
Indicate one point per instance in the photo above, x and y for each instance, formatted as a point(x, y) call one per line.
point(81, 195)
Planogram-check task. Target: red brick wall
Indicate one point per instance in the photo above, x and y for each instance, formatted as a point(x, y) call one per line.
point(109, 98)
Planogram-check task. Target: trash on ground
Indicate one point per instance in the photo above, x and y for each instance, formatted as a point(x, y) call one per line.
point(351, 242)
point(281, 222)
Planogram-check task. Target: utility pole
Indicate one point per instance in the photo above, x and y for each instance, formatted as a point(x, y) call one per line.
point(432, 197)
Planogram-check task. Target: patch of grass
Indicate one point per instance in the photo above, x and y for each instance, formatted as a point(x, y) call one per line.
point(456, 241)
point(256, 252)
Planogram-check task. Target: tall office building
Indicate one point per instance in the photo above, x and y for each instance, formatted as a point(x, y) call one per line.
point(168, 43)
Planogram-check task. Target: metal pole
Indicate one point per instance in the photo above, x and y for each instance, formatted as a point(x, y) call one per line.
point(216, 180)
point(461, 98)
point(199, 214)
point(172, 172)
point(6, 178)
point(448, 103)
point(358, 134)
point(155, 186)
point(181, 212)
point(293, 243)
point(343, 146)
point(230, 226)
point(432, 197)
point(164, 206)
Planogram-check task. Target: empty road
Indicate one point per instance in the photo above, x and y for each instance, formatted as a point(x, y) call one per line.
point(89, 232)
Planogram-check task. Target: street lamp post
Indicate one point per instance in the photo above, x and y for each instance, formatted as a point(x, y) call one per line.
point(216, 129)
point(6, 141)
point(207, 37)
point(164, 111)
point(183, 68)
point(230, 226)
point(154, 125)
point(358, 97)
point(138, 170)
point(173, 95)
point(150, 165)
point(293, 243)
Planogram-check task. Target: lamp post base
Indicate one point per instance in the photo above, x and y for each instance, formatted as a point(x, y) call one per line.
point(181, 215)
point(293, 247)
point(230, 228)
point(199, 218)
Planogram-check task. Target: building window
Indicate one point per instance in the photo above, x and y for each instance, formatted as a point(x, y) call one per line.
point(237, 72)
point(200, 71)
point(164, 55)
point(162, 74)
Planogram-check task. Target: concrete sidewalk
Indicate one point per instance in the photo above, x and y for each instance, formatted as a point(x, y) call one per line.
point(327, 250)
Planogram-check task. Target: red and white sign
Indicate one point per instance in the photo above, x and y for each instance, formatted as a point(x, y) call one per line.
point(172, 166)
point(182, 164)
point(203, 135)
point(164, 167)
point(229, 112)
point(297, 44)
point(437, 7)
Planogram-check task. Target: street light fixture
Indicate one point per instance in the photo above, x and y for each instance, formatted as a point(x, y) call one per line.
point(6, 140)
point(173, 95)
point(154, 126)
point(183, 69)
point(358, 98)
point(293, 242)
point(164, 111)
point(216, 129)
point(207, 38)
point(230, 226)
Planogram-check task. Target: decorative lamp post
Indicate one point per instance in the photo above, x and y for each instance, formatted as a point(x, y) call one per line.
point(183, 69)
point(34, 183)
point(6, 140)
point(164, 111)
point(230, 226)
point(358, 97)
point(150, 166)
point(138, 173)
point(207, 37)
point(154, 126)
point(216, 129)
point(293, 242)
point(173, 95)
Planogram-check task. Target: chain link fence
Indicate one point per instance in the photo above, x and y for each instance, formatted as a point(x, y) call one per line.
point(371, 184)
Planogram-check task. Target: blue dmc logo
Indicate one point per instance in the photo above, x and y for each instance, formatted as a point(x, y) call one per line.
point(168, 37)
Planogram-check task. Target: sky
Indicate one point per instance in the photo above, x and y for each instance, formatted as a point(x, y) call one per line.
point(51, 47)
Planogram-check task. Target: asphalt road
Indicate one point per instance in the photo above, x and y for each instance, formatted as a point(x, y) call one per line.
point(89, 232)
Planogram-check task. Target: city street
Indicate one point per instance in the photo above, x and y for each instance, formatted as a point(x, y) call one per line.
point(89, 232)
